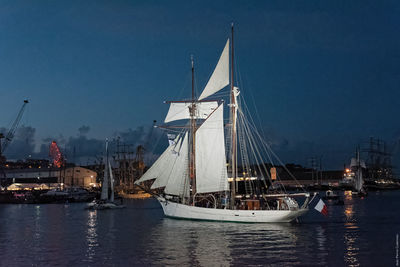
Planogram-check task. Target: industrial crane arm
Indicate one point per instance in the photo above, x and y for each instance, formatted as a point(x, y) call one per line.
point(10, 135)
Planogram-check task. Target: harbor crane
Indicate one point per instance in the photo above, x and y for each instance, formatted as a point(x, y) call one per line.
point(10, 134)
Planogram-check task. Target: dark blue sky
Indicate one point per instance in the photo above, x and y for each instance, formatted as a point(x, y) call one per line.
point(324, 74)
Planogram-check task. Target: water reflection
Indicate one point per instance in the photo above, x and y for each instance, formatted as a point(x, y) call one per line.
point(91, 236)
point(180, 242)
point(37, 227)
point(348, 212)
point(58, 235)
point(351, 232)
point(321, 241)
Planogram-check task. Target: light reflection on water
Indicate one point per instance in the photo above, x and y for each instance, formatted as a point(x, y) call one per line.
point(37, 230)
point(91, 236)
point(140, 236)
point(351, 234)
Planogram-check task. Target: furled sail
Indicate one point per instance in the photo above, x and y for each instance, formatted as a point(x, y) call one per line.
point(178, 182)
point(162, 164)
point(220, 77)
point(211, 172)
point(180, 110)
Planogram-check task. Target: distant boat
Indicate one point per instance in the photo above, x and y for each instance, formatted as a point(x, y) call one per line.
point(107, 200)
point(73, 194)
point(329, 194)
point(358, 184)
point(192, 173)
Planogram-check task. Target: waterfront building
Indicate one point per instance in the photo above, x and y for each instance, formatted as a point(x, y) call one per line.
point(52, 177)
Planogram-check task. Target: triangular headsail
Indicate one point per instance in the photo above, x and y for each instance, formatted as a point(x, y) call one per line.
point(178, 181)
point(169, 170)
point(104, 185)
point(220, 77)
point(162, 164)
point(111, 182)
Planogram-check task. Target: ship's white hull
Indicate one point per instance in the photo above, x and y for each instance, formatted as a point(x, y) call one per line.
point(180, 211)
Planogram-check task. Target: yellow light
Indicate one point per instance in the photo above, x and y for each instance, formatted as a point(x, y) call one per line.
point(347, 170)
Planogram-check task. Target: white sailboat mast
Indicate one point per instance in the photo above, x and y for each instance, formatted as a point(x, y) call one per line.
point(192, 160)
point(233, 121)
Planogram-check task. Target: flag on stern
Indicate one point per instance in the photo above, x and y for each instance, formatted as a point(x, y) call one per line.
point(321, 207)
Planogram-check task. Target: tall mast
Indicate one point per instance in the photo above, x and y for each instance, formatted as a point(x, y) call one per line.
point(233, 138)
point(359, 171)
point(193, 130)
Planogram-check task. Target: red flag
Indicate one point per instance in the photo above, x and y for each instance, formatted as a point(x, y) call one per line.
point(321, 207)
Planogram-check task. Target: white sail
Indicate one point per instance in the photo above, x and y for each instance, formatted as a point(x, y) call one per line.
point(354, 163)
point(171, 170)
point(180, 110)
point(211, 172)
point(111, 182)
point(220, 77)
point(168, 166)
point(178, 179)
point(161, 165)
point(104, 185)
point(359, 181)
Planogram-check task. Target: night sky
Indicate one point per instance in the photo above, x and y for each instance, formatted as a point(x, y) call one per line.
point(324, 75)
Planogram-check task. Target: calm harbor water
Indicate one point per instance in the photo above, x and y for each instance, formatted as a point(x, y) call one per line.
point(360, 233)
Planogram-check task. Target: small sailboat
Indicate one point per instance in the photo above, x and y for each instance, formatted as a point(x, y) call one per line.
point(329, 194)
point(358, 184)
point(192, 173)
point(106, 200)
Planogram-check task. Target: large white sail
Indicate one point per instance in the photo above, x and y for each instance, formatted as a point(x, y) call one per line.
point(178, 179)
point(161, 165)
point(220, 77)
point(111, 182)
point(211, 172)
point(180, 110)
point(104, 185)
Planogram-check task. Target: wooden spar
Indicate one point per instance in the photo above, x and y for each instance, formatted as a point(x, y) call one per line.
point(190, 101)
point(192, 167)
point(173, 127)
point(233, 137)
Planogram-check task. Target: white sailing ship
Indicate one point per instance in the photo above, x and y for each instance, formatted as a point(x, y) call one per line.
point(191, 175)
